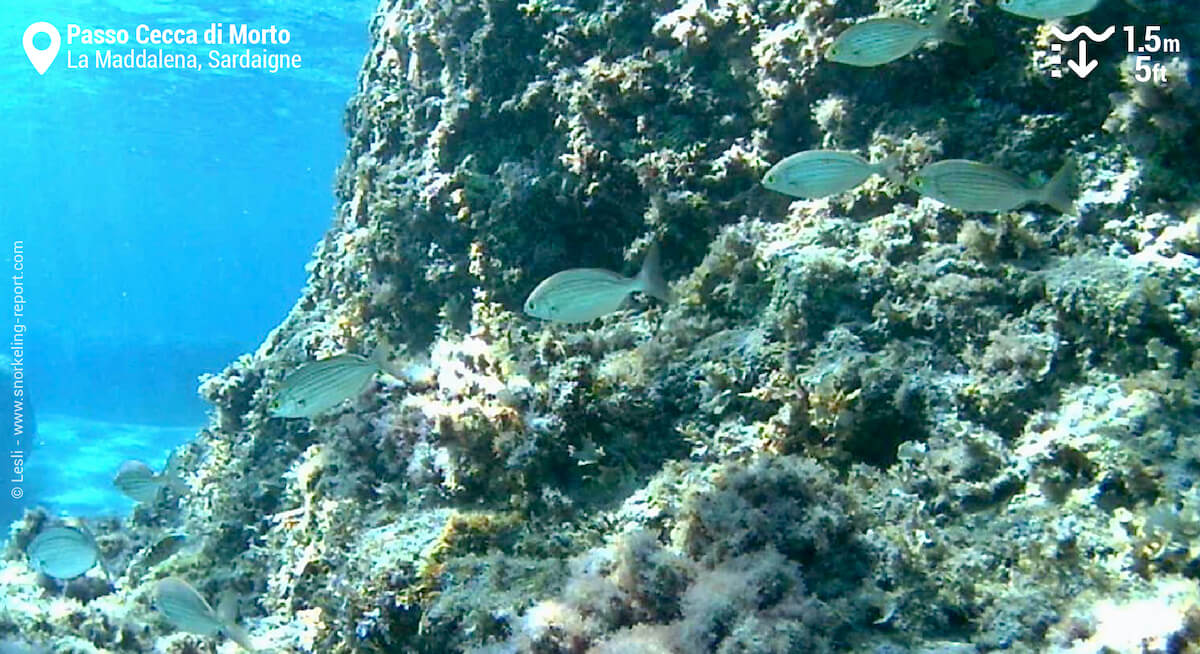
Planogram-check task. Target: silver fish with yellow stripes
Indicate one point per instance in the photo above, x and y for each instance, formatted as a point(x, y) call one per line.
point(185, 608)
point(140, 483)
point(877, 41)
point(319, 386)
point(1047, 9)
point(584, 294)
point(974, 186)
point(820, 173)
point(63, 552)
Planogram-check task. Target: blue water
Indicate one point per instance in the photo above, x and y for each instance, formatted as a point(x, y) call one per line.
point(166, 218)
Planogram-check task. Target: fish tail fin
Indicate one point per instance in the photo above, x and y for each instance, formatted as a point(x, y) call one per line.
point(381, 356)
point(1059, 192)
point(650, 279)
point(104, 568)
point(83, 526)
point(240, 636)
point(227, 607)
point(939, 25)
point(889, 167)
point(381, 353)
point(227, 612)
point(176, 483)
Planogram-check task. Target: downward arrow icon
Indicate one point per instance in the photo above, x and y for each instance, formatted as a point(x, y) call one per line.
point(1082, 67)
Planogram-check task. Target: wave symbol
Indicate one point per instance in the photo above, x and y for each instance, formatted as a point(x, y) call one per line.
point(1085, 30)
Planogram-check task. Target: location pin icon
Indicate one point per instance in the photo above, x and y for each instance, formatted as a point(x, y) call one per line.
point(41, 59)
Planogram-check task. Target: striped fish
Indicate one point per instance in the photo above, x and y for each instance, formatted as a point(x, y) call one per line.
point(584, 294)
point(974, 186)
point(139, 482)
point(319, 386)
point(877, 41)
point(820, 173)
point(185, 608)
point(63, 552)
point(1047, 9)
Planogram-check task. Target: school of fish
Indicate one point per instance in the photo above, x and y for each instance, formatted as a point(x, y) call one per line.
point(959, 183)
point(65, 551)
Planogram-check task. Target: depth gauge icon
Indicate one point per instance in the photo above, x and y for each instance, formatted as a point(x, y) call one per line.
point(1081, 66)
